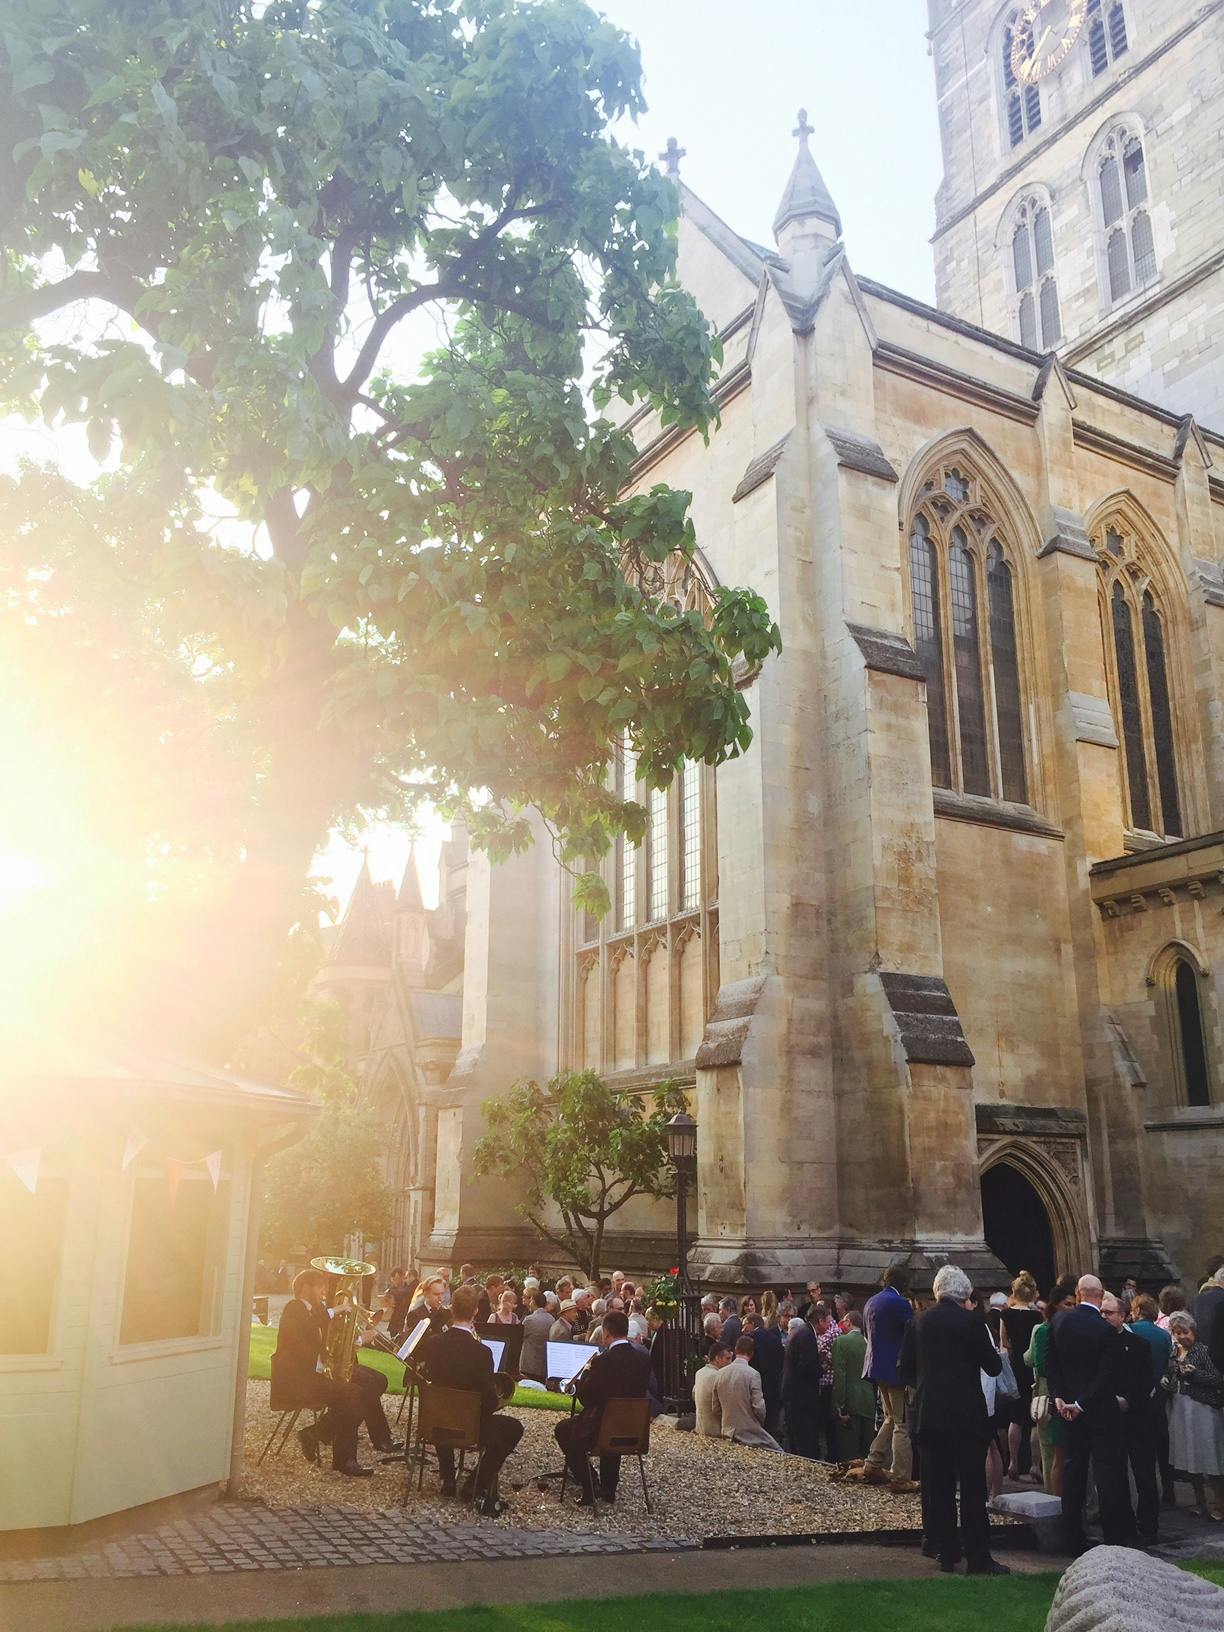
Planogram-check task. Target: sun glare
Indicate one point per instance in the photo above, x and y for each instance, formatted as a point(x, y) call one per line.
point(19, 874)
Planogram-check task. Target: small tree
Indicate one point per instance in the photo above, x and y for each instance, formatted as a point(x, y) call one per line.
point(583, 1147)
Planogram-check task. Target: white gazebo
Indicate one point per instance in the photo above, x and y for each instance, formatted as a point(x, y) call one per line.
point(128, 1186)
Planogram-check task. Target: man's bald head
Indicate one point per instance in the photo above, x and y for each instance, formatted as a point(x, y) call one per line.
point(1089, 1290)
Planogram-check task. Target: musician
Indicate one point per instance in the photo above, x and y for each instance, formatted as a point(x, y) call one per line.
point(620, 1370)
point(298, 1382)
point(457, 1358)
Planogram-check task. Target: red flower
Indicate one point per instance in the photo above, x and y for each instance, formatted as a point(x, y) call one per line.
point(675, 1271)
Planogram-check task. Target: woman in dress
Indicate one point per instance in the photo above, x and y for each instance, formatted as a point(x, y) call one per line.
point(1196, 1419)
point(1172, 1300)
point(1020, 1321)
point(1050, 1435)
point(505, 1314)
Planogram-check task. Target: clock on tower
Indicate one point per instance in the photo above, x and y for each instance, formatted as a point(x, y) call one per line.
point(1044, 35)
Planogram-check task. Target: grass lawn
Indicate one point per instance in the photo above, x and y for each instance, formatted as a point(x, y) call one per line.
point(1018, 1604)
point(263, 1341)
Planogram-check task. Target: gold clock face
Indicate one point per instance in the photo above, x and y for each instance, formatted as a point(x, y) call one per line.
point(1044, 35)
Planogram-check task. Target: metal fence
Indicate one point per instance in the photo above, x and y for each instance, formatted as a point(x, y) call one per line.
point(677, 1353)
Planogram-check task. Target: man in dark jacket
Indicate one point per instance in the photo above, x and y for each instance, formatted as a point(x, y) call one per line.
point(942, 1355)
point(1208, 1311)
point(620, 1371)
point(1079, 1370)
point(807, 1386)
point(299, 1383)
point(457, 1358)
point(890, 1460)
point(768, 1358)
point(1135, 1394)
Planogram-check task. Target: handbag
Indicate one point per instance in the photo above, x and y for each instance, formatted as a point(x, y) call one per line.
point(1039, 1410)
point(1006, 1386)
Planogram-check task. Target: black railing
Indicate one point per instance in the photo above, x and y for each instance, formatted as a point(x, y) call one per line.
point(677, 1353)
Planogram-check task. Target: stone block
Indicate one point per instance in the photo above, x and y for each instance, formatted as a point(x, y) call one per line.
point(1041, 1512)
point(1104, 1592)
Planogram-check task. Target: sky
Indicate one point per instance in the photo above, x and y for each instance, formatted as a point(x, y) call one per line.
point(727, 78)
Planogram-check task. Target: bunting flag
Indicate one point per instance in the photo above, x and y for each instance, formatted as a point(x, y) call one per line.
point(174, 1172)
point(136, 1142)
point(213, 1164)
point(25, 1164)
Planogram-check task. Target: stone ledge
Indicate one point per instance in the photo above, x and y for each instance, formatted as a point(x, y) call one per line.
point(727, 1027)
point(860, 453)
point(964, 807)
point(760, 470)
point(886, 652)
point(1090, 1596)
point(926, 1019)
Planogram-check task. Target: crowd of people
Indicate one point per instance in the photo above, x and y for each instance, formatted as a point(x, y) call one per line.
point(946, 1395)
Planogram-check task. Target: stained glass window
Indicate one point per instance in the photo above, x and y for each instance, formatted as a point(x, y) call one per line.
point(1023, 102)
point(1130, 248)
point(1106, 34)
point(1032, 267)
point(928, 643)
point(626, 856)
point(1006, 664)
point(1162, 718)
point(1131, 710)
point(967, 653)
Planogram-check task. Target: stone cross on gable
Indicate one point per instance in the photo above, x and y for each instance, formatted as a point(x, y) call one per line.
point(671, 155)
point(803, 130)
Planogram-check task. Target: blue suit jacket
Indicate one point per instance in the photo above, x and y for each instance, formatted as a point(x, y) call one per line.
point(885, 1318)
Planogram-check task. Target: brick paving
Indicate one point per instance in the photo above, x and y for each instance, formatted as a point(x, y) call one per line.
point(243, 1537)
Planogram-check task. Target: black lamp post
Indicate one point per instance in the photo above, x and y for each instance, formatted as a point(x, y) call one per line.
point(682, 1149)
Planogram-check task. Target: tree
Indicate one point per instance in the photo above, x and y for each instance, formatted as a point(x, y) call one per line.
point(358, 578)
point(331, 1183)
point(583, 1147)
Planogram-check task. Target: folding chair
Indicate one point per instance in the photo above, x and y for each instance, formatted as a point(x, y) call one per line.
point(448, 1418)
point(624, 1430)
point(288, 1420)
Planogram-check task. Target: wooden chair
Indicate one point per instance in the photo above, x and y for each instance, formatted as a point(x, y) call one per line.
point(287, 1420)
point(624, 1430)
point(448, 1418)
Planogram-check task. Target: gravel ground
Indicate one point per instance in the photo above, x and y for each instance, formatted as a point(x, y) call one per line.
point(699, 1487)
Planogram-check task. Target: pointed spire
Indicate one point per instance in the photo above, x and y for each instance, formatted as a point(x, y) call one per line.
point(671, 156)
point(409, 898)
point(362, 936)
point(806, 197)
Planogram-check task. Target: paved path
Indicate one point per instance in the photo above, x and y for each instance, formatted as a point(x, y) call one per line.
point(54, 1606)
point(246, 1537)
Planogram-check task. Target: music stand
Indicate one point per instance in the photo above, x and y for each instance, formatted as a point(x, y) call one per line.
point(511, 1339)
point(564, 1361)
point(412, 1374)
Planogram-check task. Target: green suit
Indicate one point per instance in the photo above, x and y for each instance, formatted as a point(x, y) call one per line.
point(854, 1394)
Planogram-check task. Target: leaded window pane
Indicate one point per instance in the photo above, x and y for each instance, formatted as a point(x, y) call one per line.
point(1097, 49)
point(1143, 247)
point(1032, 106)
point(1119, 266)
point(658, 854)
point(1111, 191)
point(967, 656)
point(1051, 321)
point(1028, 321)
point(1009, 78)
point(928, 643)
point(690, 836)
point(1132, 717)
point(1190, 1029)
point(626, 855)
point(1015, 119)
point(1162, 719)
point(1044, 241)
point(1118, 41)
point(1006, 664)
point(1022, 260)
point(1135, 171)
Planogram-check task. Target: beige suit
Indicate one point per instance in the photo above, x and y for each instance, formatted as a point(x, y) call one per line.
point(741, 1403)
point(709, 1416)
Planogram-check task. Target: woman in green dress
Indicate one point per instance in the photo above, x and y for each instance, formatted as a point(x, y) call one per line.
point(1050, 1427)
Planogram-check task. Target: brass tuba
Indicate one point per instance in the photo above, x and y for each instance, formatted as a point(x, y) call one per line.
point(341, 1348)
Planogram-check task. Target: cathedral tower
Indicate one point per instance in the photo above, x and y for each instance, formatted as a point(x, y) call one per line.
point(1082, 205)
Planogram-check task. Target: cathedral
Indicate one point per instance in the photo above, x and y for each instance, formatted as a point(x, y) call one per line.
point(939, 959)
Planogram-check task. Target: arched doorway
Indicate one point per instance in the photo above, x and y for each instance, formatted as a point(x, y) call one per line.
point(1016, 1224)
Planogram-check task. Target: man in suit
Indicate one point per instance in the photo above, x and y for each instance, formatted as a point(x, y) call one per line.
point(741, 1400)
point(1208, 1311)
point(805, 1391)
point(430, 1306)
point(943, 1352)
point(768, 1358)
point(732, 1325)
point(1135, 1393)
point(705, 1397)
point(298, 1382)
point(456, 1358)
point(621, 1370)
point(890, 1459)
point(1080, 1372)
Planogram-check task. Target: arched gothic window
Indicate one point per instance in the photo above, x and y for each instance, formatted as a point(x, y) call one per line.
point(1021, 103)
point(1106, 33)
point(1129, 249)
point(1035, 289)
point(1137, 641)
point(1180, 977)
point(963, 599)
point(1191, 1042)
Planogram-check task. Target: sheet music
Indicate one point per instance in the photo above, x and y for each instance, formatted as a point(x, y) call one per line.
point(566, 1360)
point(496, 1349)
point(418, 1332)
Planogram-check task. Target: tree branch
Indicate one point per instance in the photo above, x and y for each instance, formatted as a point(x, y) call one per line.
point(19, 311)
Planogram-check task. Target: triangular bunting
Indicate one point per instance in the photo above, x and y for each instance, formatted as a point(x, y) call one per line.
point(25, 1164)
point(213, 1164)
point(136, 1142)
